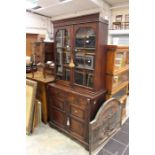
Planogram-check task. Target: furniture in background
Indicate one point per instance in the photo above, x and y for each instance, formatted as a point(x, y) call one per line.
point(41, 90)
point(121, 22)
point(105, 124)
point(43, 54)
point(79, 90)
point(31, 87)
point(43, 51)
point(37, 114)
point(126, 23)
point(117, 74)
point(29, 39)
point(118, 22)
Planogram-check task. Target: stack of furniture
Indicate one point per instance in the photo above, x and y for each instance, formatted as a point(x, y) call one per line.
point(117, 74)
point(79, 90)
point(43, 52)
point(119, 23)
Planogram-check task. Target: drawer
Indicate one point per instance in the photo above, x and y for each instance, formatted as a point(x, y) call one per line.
point(119, 94)
point(77, 128)
point(77, 101)
point(57, 117)
point(113, 81)
point(58, 93)
point(77, 112)
point(58, 103)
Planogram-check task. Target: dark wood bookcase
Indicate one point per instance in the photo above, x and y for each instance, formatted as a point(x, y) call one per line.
point(80, 65)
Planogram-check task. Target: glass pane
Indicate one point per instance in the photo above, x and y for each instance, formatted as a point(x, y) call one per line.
point(90, 38)
point(80, 38)
point(121, 60)
point(84, 77)
point(66, 75)
point(89, 62)
point(84, 56)
point(62, 54)
point(84, 61)
point(89, 79)
point(79, 77)
point(120, 93)
point(118, 79)
point(85, 38)
point(66, 58)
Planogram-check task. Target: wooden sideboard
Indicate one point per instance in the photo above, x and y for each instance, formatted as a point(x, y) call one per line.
point(41, 90)
point(71, 111)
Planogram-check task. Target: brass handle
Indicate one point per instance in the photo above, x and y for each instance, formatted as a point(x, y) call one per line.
point(75, 111)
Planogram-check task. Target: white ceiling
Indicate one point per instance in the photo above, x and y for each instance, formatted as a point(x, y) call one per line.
point(55, 8)
point(112, 2)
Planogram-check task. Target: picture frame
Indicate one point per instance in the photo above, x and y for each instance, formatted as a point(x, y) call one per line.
point(31, 88)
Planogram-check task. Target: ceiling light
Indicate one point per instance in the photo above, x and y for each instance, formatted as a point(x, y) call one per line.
point(31, 4)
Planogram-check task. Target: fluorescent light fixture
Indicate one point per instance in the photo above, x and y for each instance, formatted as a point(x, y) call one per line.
point(31, 4)
point(64, 1)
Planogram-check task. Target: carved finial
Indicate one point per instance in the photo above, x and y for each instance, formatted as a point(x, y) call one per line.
point(71, 64)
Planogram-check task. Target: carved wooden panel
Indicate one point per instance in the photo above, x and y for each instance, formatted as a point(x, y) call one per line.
point(106, 122)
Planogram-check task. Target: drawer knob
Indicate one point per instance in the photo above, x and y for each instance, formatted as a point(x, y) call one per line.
point(88, 100)
point(75, 111)
point(94, 102)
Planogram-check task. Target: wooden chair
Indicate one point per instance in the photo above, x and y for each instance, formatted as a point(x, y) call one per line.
point(126, 23)
point(118, 22)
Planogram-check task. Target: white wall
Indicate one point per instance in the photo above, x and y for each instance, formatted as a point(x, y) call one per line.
point(37, 24)
point(121, 37)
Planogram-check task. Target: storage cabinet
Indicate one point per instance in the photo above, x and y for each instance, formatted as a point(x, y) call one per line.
point(79, 50)
point(71, 111)
point(79, 89)
point(43, 52)
point(118, 59)
point(117, 74)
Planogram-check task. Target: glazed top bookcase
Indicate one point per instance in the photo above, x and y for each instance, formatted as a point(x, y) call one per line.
point(79, 50)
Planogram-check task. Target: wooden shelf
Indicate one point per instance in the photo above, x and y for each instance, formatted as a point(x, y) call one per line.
point(116, 72)
point(119, 88)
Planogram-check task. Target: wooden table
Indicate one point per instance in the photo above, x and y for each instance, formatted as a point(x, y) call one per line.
point(41, 90)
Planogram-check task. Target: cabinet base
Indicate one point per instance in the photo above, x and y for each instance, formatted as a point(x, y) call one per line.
point(63, 131)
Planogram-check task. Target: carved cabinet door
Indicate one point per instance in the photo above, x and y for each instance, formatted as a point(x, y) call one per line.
point(77, 116)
